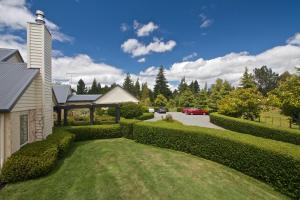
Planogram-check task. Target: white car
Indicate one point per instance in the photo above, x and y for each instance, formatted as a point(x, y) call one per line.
point(151, 110)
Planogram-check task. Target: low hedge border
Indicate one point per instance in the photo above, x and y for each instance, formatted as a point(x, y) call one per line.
point(127, 127)
point(96, 132)
point(256, 128)
point(273, 162)
point(36, 159)
point(146, 116)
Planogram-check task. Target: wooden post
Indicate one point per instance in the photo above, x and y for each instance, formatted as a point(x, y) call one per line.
point(117, 113)
point(92, 109)
point(65, 117)
point(58, 116)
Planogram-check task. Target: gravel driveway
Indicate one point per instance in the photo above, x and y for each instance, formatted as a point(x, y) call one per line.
point(195, 120)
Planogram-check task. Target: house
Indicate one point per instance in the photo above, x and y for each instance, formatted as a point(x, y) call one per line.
point(26, 104)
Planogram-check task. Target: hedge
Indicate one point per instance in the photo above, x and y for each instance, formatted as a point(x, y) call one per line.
point(256, 128)
point(146, 116)
point(127, 127)
point(274, 162)
point(36, 159)
point(96, 132)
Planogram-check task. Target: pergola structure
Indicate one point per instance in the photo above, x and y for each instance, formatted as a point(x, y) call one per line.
point(66, 101)
point(65, 108)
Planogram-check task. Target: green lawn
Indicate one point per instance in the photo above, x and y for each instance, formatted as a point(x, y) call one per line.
point(123, 169)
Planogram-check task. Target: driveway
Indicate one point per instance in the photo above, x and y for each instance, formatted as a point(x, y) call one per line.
point(194, 120)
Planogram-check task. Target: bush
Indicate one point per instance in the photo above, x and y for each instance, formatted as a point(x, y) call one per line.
point(36, 159)
point(256, 128)
point(96, 132)
point(146, 116)
point(127, 127)
point(128, 110)
point(179, 109)
point(274, 162)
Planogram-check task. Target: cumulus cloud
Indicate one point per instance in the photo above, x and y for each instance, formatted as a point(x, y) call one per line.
point(14, 15)
point(136, 48)
point(205, 22)
point(230, 66)
point(142, 60)
point(295, 40)
point(189, 57)
point(144, 29)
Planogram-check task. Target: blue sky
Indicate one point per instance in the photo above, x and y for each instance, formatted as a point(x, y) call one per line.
point(187, 37)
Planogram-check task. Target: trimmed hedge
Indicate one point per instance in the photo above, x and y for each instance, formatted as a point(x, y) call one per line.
point(96, 132)
point(36, 159)
point(256, 128)
point(274, 162)
point(146, 116)
point(127, 127)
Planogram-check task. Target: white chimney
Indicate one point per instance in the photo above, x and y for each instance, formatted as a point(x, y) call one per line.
point(39, 49)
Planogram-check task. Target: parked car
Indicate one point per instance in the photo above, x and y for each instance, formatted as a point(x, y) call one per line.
point(151, 110)
point(184, 110)
point(195, 111)
point(162, 110)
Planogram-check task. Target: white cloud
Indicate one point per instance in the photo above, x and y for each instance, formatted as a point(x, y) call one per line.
point(124, 27)
point(144, 30)
point(136, 48)
point(230, 66)
point(14, 15)
point(205, 22)
point(295, 40)
point(189, 57)
point(142, 60)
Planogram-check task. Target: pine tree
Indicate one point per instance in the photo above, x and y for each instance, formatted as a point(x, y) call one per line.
point(99, 88)
point(182, 86)
point(128, 84)
point(266, 80)
point(194, 86)
point(247, 80)
point(144, 92)
point(81, 89)
point(161, 85)
point(137, 89)
point(94, 88)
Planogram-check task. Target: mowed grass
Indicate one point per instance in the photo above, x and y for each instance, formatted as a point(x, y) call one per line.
point(123, 169)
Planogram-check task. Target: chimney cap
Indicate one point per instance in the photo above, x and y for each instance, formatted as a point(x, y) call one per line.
point(39, 17)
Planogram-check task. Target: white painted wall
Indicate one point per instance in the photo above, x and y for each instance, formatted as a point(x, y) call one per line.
point(117, 95)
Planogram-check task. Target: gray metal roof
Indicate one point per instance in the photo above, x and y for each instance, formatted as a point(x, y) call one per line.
point(62, 92)
point(14, 80)
point(6, 53)
point(84, 97)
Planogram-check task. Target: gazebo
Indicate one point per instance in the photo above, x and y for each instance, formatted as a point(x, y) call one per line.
point(66, 101)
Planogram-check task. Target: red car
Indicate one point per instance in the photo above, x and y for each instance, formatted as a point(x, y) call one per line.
point(195, 111)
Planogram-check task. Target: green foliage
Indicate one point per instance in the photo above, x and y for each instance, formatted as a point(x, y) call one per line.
point(127, 127)
point(161, 100)
point(247, 80)
point(161, 85)
point(81, 89)
point(94, 88)
point(217, 92)
point(128, 110)
point(256, 128)
point(274, 162)
point(182, 86)
point(202, 100)
point(36, 159)
point(171, 104)
point(128, 84)
point(146, 116)
point(288, 93)
point(266, 80)
point(96, 132)
point(246, 103)
point(194, 87)
point(137, 89)
point(187, 99)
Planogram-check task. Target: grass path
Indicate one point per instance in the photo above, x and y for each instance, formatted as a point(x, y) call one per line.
point(123, 169)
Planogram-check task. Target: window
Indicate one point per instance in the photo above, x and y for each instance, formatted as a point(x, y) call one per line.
point(23, 129)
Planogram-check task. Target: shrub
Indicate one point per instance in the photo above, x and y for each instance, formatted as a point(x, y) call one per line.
point(36, 159)
point(146, 116)
point(128, 110)
point(274, 162)
point(256, 128)
point(127, 127)
point(179, 109)
point(96, 132)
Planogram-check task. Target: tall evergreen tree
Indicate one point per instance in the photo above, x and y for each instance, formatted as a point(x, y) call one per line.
point(99, 88)
point(161, 84)
point(182, 85)
point(144, 92)
point(137, 89)
point(128, 84)
point(265, 79)
point(94, 88)
point(194, 86)
point(247, 80)
point(81, 89)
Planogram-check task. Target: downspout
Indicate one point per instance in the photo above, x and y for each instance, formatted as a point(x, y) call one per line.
point(2, 138)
